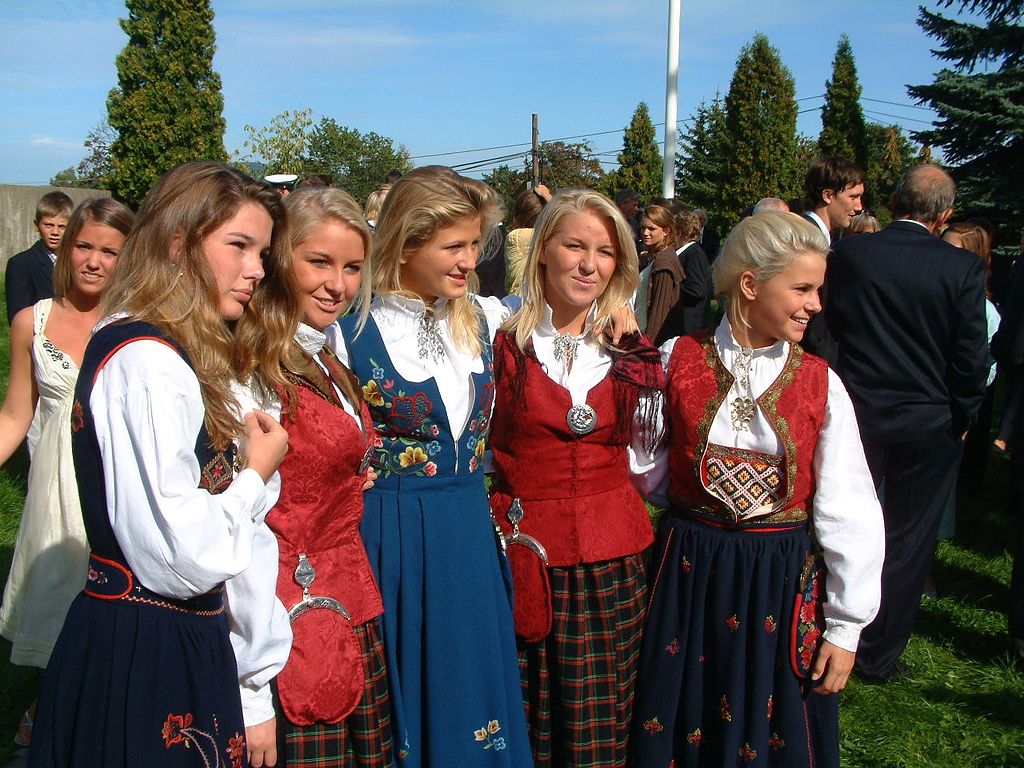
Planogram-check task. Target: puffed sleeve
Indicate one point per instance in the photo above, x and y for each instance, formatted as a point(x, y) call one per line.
point(260, 632)
point(494, 311)
point(847, 522)
point(649, 470)
point(180, 540)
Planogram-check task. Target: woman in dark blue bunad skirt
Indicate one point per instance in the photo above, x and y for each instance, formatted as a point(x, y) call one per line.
point(143, 673)
point(767, 561)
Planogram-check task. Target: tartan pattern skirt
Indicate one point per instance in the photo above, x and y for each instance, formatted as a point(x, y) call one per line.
point(361, 740)
point(578, 682)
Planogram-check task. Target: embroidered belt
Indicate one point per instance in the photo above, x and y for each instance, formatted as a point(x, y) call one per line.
point(110, 580)
point(720, 519)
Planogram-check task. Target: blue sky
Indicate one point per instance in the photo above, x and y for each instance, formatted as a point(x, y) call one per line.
point(444, 77)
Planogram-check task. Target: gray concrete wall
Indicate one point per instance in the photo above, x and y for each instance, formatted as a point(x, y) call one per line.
point(18, 213)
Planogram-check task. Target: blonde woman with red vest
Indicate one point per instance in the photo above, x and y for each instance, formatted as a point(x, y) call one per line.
point(568, 406)
point(768, 559)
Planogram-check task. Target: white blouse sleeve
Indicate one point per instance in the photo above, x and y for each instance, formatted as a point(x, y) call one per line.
point(495, 313)
point(261, 634)
point(847, 522)
point(180, 540)
point(650, 470)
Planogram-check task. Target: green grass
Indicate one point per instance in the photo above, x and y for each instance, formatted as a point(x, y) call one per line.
point(960, 705)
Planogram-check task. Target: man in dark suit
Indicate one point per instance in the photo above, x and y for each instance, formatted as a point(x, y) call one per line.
point(29, 275)
point(908, 312)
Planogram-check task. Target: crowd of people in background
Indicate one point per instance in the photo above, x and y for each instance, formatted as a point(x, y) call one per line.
point(316, 483)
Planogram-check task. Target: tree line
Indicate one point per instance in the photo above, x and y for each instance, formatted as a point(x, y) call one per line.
point(167, 107)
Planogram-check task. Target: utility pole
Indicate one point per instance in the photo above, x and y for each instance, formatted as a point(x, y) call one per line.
point(536, 151)
point(668, 171)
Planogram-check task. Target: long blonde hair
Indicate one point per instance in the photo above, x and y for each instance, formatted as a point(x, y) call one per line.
point(621, 286)
point(178, 294)
point(419, 204)
point(763, 244)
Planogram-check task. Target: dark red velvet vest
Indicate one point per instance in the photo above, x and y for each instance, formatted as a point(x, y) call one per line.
point(321, 506)
point(577, 497)
point(794, 404)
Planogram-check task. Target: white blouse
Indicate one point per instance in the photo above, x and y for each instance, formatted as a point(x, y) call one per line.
point(847, 517)
point(398, 320)
point(261, 633)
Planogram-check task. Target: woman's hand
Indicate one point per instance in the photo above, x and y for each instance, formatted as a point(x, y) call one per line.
point(370, 477)
point(835, 664)
point(266, 443)
point(623, 324)
point(261, 741)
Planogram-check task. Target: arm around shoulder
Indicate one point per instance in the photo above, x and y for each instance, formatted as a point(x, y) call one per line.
point(20, 400)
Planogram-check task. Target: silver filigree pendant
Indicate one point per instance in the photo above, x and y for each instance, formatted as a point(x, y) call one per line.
point(428, 339)
point(566, 348)
point(581, 419)
point(741, 411)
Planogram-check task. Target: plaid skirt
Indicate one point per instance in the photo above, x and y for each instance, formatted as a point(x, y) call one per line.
point(578, 682)
point(361, 740)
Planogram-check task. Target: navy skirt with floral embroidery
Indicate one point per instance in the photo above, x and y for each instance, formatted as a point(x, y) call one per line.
point(732, 629)
point(132, 684)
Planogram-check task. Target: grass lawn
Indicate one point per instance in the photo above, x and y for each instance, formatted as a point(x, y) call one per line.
point(960, 704)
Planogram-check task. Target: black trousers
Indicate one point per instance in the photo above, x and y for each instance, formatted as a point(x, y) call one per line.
point(915, 479)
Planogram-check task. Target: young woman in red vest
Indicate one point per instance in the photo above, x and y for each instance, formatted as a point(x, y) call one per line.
point(566, 412)
point(332, 695)
point(768, 558)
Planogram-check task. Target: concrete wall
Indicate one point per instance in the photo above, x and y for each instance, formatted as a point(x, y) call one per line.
point(18, 212)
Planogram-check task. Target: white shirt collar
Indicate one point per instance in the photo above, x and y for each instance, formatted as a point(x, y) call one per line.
point(309, 339)
point(726, 342)
point(546, 329)
point(914, 221)
point(821, 225)
point(684, 246)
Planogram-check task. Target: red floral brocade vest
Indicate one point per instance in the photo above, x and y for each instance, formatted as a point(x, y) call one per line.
point(794, 405)
point(321, 506)
point(576, 493)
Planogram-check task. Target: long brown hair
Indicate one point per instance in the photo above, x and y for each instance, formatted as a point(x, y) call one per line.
point(178, 294)
point(97, 210)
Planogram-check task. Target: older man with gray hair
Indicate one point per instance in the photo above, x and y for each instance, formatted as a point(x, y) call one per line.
point(908, 313)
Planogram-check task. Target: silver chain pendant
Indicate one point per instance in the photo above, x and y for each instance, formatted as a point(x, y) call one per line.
point(428, 338)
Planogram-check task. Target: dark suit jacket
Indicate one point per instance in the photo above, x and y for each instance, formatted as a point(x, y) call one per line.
point(817, 339)
point(29, 278)
point(908, 312)
point(695, 294)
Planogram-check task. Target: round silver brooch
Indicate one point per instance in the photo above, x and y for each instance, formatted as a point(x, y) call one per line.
point(581, 419)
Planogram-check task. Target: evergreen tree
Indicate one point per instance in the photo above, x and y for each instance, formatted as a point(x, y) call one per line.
point(980, 106)
point(702, 163)
point(640, 162)
point(890, 154)
point(842, 119)
point(760, 115)
point(166, 108)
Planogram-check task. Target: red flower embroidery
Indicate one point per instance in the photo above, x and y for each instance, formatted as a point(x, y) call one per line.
point(408, 413)
point(430, 469)
point(733, 622)
point(172, 730)
point(389, 383)
point(653, 725)
point(236, 747)
point(700, 659)
point(776, 743)
point(673, 647)
point(747, 753)
point(769, 623)
point(771, 706)
point(807, 611)
point(77, 417)
point(694, 738)
point(686, 565)
point(723, 710)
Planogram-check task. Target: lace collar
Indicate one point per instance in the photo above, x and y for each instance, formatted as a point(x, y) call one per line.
point(310, 339)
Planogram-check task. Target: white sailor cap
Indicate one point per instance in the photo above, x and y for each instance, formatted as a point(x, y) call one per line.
point(282, 180)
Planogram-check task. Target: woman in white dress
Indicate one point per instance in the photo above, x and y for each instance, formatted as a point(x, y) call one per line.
point(47, 343)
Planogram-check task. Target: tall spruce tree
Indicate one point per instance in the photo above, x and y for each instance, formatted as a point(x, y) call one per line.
point(640, 161)
point(980, 106)
point(760, 114)
point(842, 119)
point(167, 105)
point(702, 164)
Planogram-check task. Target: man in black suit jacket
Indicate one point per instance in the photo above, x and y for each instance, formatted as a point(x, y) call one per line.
point(29, 275)
point(908, 312)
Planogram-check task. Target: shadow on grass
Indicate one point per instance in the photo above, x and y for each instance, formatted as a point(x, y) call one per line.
point(1001, 707)
point(977, 590)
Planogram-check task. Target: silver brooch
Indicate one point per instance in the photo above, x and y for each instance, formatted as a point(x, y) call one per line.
point(741, 409)
point(581, 419)
point(566, 348)
point(428, 338)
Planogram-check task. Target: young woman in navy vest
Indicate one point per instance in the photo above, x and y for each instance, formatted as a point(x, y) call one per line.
point(568, 406)
point(143, 673)
point(768, 558)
